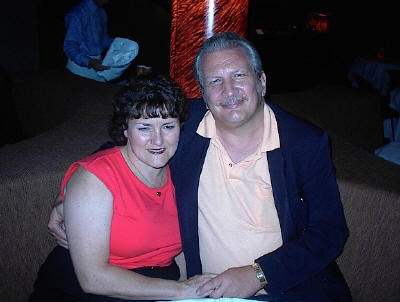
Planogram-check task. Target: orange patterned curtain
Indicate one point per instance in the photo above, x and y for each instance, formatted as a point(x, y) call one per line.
point(193, 21)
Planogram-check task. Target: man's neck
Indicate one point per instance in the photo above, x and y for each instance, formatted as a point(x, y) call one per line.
point(242, 141)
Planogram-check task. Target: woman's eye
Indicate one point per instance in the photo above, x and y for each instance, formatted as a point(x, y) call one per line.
point(169, 127)
point(143, 128)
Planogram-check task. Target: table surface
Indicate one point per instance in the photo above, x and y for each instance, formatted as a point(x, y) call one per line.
point(212, 300)
point(375, 71)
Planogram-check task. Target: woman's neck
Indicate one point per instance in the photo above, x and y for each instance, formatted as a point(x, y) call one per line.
point(151, 177)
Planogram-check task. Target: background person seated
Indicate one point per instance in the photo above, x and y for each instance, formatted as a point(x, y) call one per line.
point(87, 41)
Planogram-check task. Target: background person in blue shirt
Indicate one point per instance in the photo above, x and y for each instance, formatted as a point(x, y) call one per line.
point(86, 39)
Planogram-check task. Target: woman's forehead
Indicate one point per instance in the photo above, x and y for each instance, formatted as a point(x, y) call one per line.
point(153, 120)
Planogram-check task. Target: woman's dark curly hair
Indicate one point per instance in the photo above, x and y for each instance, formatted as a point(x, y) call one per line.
point(147, 96)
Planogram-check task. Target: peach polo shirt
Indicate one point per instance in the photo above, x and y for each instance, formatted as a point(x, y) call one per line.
point(238, 221)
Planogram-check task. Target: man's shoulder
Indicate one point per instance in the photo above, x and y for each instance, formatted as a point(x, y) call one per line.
point(294, 130)
point(189, 141)
point(196, 113)
point(81, 9)
point(197, 107)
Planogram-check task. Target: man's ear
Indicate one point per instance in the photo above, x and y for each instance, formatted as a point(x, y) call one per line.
point(205, 102)
point(263, 83)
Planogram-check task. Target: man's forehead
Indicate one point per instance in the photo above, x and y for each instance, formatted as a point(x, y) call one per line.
point(235, 58)
point(238, 51)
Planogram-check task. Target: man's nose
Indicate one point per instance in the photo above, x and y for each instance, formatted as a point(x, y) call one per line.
point(229, 87)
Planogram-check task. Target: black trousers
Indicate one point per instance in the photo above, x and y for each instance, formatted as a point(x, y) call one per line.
point(57, 280)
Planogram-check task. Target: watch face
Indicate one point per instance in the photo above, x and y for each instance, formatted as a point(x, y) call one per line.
point(259, 274)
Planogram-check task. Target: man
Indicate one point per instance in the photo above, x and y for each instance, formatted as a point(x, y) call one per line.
point(87, 43)
point(257, 198)
point(86, 38)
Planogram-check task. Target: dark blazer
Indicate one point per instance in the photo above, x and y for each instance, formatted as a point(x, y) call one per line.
point(306, 197)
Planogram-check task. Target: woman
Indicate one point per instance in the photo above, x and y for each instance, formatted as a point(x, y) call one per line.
point(119, 208)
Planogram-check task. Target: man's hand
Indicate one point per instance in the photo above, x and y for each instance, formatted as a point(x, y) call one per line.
point(97, 65)
point(237, 282)
point(56, 223)
point(191, 285)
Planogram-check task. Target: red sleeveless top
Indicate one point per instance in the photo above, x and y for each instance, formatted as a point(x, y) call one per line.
point(144, 227)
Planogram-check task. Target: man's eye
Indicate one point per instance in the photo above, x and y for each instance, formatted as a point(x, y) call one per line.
point(143, 128)
point(169, 127)
point(215, 82)
point(239, 75)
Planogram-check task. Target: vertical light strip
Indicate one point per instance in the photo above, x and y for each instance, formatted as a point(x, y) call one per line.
point(210, 18)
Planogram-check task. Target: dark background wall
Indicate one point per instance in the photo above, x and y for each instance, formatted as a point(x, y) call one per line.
point(294, 57)
point(32, 33)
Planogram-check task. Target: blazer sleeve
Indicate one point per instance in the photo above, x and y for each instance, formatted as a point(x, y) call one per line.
point(320, 230)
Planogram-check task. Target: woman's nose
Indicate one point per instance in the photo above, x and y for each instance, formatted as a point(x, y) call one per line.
point(157, 138)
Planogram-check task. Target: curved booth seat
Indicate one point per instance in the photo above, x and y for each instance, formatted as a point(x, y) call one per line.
point(31, 172)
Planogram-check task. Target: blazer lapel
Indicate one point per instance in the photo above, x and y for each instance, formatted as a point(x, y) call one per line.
point(279, 189)
point(187, 172)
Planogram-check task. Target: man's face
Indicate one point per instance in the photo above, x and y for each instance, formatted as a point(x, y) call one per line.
point(231, 88)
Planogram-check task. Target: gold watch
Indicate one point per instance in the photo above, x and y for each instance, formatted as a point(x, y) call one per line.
point(259, 274)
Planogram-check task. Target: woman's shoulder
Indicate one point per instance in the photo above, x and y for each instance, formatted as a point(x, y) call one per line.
point(85, 183)
point(96, 169)
point(101, 157)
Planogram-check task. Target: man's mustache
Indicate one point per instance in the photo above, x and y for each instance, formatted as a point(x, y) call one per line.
point(232, 100)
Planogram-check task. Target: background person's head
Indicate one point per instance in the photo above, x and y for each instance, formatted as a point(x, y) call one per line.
point(224, 41)
point(101, 2)
point(147, 97)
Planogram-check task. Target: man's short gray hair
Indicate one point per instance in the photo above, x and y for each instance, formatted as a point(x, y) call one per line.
point(225, 41)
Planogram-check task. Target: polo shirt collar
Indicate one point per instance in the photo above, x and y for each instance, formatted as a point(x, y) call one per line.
point(270, 140)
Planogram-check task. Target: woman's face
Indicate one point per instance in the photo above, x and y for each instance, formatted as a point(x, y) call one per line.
point(153, 141)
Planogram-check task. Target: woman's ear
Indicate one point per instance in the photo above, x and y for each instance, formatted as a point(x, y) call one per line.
point(126, 133)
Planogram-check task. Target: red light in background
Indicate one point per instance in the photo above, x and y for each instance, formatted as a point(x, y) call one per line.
point(318, 22)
